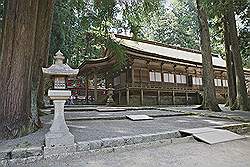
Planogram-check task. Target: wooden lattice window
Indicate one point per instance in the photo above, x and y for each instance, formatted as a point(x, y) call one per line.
point(168, 77)
point(155, 76)
point(181, 79)
point(197, 81)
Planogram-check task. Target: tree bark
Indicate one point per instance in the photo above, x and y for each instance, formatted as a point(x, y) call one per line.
point(43, 29)
point(209, 98)
point(242, 98)
point(17, 51)
point(229, 65)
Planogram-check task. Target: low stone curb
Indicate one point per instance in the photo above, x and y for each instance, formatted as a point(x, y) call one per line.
point(21, 153)
point(169, 115)
point(242, 128)
point(125, 140)
point(109, 109)
point(233, 118)
point(124, 117)
point(211, 115)
point(96, 118)
point(22, 161)
point(92, 145)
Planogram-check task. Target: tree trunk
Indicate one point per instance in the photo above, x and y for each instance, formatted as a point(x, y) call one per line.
point(242, 98)
point(43, 29)
point(230, 66)
point(2, 25)
point(17, 51)
point(209, 98)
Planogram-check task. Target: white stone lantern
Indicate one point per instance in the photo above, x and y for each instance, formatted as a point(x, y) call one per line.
point(59, 139)
point(110, 93)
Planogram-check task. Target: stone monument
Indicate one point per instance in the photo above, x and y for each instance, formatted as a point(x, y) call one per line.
point(59, 140)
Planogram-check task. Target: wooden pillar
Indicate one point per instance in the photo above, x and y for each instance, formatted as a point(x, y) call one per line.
point(127, 81)
point(87, 88)
point(198, 98)
point(141, 77)
point(186, 68)
point(119, 98)
point(162, 74)
point(173, 98)
point(95, 86)
point(127, 96)
point(175, 76)
point(106, 80)
point(133, 75)
point(142, 99)
point(186, 97)
point(159, 97)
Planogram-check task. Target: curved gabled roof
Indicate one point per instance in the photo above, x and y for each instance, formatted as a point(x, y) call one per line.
point(164, 51)
point(169, 51)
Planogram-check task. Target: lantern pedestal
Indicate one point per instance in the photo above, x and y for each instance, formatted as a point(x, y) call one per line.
point(59, 139)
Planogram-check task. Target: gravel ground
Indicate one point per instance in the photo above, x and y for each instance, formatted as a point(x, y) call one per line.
point(98, 129)
point(194, 154)
point(89, 130)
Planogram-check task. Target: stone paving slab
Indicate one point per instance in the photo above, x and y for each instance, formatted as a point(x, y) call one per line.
point(110, 109)
point(217, 136)
point(139, 117)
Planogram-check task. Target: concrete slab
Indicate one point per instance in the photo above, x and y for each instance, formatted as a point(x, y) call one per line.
point(197, 130)
point(217, 136)
point(139, 117)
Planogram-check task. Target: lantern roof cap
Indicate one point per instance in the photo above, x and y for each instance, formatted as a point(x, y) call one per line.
point(59, 68)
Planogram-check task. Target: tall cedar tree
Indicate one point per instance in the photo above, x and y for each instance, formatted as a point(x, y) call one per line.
point(242, 98)
point(41, 54)
point(230, 66)
point(17, 55)
point(209, 96)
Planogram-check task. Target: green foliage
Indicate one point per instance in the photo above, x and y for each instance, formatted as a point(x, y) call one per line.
point(178, 25)
point(244, 33)
point(216, 11)
point(216, 35)
point(67, 34)
point(81, 28)
point(137, 16)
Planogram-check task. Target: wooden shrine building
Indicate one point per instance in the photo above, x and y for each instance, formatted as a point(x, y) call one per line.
point(154, 74)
